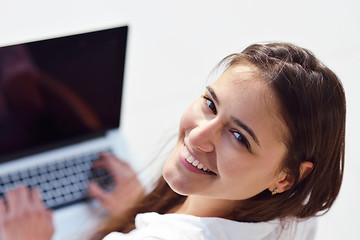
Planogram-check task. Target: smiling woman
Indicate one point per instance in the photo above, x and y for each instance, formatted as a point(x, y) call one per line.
point(258, 156)
point(262, 149)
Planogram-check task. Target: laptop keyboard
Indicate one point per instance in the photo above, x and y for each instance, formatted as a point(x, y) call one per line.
point(62, 182)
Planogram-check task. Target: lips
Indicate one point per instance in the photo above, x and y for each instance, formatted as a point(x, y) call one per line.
point(195, 162)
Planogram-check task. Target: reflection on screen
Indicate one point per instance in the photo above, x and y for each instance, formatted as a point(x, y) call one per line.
point(56, 91)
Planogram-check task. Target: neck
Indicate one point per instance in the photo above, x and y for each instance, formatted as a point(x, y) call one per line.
point(206, 207)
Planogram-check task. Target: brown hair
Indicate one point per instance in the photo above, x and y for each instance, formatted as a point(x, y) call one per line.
point(312, 105)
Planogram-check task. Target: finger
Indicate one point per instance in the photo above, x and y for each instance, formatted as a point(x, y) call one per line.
point(36, 199)
point(101, 161)
point(23, 196)
point(14, 200)
point(95, 191)
point(112, 164)
point(105, 154)
point(110, 158)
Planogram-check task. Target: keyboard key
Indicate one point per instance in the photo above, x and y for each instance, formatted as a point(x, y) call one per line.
point(15, 177)
point(24, 174)
point(33, 172)
point(5, 179)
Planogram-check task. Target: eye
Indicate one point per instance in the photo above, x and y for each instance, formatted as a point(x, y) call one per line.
point(241, 139)
point(210, 104)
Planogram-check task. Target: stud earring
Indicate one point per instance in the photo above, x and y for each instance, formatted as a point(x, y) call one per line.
point(275, 191)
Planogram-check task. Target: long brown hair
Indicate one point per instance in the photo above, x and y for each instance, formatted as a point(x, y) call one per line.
point(312, 105)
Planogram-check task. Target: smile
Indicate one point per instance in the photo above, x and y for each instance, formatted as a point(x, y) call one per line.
point(196, 163)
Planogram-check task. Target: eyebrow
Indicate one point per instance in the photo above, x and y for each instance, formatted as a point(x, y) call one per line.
point(236, 121)
point(212, 93)
point(246, 128)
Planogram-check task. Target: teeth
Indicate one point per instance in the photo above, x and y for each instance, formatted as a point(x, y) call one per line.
point(186, 153)
point(194, 162)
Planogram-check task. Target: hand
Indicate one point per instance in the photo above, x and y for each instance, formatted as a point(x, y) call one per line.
point(25, 216)
point(127, 186)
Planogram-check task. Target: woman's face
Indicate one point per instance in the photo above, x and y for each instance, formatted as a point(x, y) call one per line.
point(229, 144)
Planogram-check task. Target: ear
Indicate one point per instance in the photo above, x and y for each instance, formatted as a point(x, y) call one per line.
point(285, 181)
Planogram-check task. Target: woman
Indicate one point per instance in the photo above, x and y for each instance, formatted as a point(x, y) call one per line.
point(262, 149)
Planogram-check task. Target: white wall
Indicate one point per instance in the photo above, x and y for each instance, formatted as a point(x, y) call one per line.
point(173, 45)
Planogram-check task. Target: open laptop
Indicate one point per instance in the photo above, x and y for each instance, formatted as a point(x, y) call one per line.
point(60, 105)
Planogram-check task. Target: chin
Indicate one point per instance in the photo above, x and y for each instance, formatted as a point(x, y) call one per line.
point(175, 178)
point(178, 190)
point(178, 182)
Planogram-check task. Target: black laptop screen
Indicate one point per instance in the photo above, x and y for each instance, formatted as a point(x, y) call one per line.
point(58, 91)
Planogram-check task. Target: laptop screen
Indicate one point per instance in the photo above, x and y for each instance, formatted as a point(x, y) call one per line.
point(60, 91)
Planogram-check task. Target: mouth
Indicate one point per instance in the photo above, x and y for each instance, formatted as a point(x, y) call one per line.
point(196, 163)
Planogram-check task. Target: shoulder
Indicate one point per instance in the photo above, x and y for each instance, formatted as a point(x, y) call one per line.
point(299, 229)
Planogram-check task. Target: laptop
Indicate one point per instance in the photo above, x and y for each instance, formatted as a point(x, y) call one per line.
point(60, 105)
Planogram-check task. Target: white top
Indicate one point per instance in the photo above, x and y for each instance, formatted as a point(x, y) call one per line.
point(153, 226)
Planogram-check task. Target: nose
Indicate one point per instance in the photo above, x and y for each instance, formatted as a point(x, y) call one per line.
point(204, 136)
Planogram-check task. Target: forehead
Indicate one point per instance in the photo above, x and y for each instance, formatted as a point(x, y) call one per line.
point(243, 82)
point(245, 94)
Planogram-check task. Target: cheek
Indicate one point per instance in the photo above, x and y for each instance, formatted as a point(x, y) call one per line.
point(233, 163)
point(236, 168)
point(244, 168)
